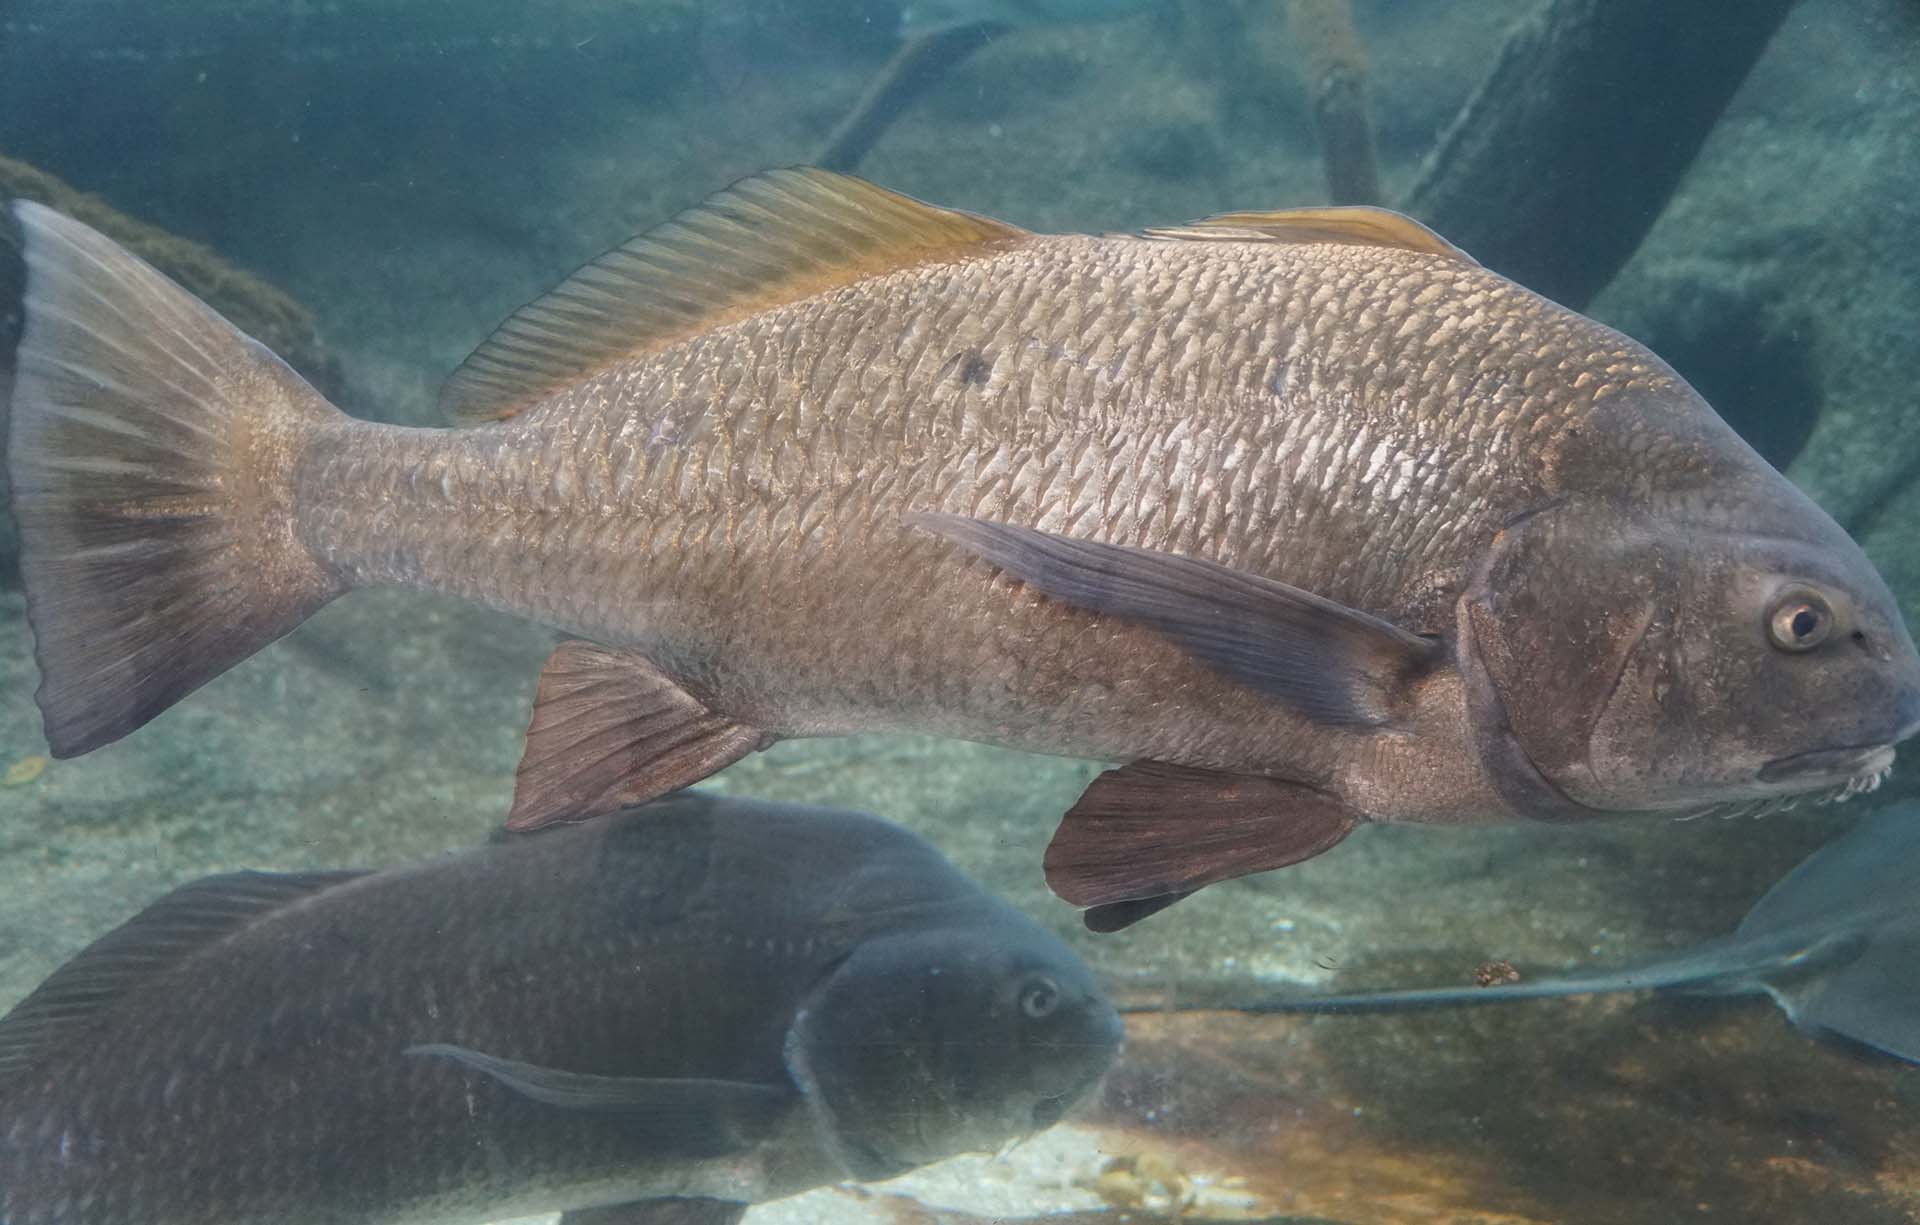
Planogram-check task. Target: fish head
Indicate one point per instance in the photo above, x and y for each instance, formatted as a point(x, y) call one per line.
point(922, 1045)
point(1718, 651)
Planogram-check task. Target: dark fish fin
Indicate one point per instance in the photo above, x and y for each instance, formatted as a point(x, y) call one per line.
point(1331, 663)
point(1145, 835)
point(1869, 869)
point(675, 1211)
point(1871, 997)
point(1115, 916)
point(608, 730)
point(155, 544)
point(1348, 225)
point(774, 238)
point(144, 949)
point(694, 1098)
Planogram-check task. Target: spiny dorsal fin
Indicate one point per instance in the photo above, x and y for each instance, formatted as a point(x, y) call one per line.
point(144, 948)
point(1354, 226)
point(774, 238)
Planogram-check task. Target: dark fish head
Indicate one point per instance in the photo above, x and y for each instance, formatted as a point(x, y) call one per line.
point(923, 1045)
point(1724, 647)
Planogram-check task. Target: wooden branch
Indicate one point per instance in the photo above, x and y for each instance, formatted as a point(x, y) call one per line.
point(1336, 74)
point(1556, 168)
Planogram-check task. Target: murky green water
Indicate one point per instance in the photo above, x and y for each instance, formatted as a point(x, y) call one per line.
point(373, 186)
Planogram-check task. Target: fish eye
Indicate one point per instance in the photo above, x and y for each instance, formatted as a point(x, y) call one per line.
point(1039, 998)
point(1800, 621)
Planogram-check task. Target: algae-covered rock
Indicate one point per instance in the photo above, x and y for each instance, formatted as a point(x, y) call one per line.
point(256, 307)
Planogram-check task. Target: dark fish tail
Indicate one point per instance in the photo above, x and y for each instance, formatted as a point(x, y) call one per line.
point(150, 456)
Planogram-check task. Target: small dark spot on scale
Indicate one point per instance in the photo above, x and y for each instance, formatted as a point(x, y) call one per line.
point(1278, 383)
point(970, 368)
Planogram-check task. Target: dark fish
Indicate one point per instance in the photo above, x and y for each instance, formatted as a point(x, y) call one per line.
point(1306, 516)
point(684, 1009)
point(1836, 943)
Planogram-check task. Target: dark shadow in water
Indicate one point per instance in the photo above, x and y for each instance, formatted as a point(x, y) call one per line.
point(13, 281)
point(1754, 367)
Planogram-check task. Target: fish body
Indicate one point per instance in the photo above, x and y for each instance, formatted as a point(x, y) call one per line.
point(1835, 943)
point(704, 998)
point(1307, 516)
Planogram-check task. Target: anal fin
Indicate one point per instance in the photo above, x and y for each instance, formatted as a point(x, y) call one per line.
point(609, 730)
point(672, 1211)
point(1146, 835)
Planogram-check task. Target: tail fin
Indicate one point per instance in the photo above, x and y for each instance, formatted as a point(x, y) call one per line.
point(150, 451)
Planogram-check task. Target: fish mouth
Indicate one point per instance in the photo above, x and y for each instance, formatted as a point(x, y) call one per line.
point(1108, 1039)
point(1831, 765)
point(1823, 776)
point(1051, 1109)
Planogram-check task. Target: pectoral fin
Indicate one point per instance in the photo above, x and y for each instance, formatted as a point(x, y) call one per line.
point(659, 1096)
point(1331, 663)
point(1146, 835)
point(609, 730)
point(675, 1211)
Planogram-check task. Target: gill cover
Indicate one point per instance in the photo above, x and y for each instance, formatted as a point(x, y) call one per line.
point(870, 1055)
point(1721, 648)
point(927, 1044)
point(1550, 625)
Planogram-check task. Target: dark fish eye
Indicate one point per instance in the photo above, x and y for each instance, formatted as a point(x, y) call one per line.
point(1800, 620)
point(1039, 998)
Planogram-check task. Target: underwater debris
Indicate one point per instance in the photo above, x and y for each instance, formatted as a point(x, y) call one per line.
point(24, 771)
point(1495, 973)
point(1152, 1181)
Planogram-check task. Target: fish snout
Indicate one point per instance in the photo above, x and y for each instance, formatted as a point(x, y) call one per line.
point(1086, 1054)
point(1873, 710)
point(1091, 1058)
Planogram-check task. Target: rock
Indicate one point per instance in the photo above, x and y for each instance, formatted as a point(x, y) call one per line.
point(255, 307)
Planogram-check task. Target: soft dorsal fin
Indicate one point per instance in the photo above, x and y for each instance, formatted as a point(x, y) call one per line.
point(1354, 226)
point(144, 948)
point(774, 238)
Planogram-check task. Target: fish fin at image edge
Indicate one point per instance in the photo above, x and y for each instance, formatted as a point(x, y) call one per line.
point(610, 730)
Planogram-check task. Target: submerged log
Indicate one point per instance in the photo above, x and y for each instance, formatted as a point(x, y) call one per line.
point(919, 64)
point(1558, 165)
point(1336, 75)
